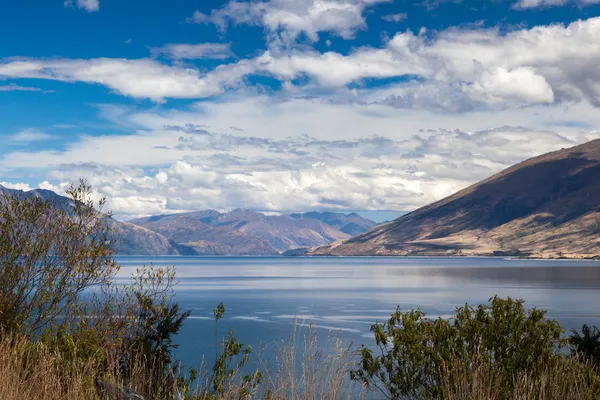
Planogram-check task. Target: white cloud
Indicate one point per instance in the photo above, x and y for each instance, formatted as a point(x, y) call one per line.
point(17, 186)
point(371, 173)
point(521, 84)
point(16, 88)
point(526, 4)
point(395, 17)
point(301, 154)
point(137, 78)
point(88, 5)
point(183, 51)
point(474, 68)
point(285, 20)
point(29, 135)
point(333, 69)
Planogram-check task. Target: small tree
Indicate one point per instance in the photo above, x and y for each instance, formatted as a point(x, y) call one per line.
point(50, 252)
point(152, 318)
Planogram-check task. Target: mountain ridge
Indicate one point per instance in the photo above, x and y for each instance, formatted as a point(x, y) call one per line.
point(547, 206)
point(209, 232)
point(262, 234)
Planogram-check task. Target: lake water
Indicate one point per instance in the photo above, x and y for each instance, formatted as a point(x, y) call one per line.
point(345, 296)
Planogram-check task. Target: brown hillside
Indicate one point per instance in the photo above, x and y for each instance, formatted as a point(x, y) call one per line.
point(547, 206)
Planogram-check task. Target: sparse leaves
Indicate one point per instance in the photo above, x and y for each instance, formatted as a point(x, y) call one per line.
point(51, 251)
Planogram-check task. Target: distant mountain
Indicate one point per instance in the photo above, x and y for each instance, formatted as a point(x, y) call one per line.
point(351, 224)
point(136, 240)
point(548, 206)
point(188, 230)
point(132, 239)
point(47, 195)
point(209, 232)
point(249, 232)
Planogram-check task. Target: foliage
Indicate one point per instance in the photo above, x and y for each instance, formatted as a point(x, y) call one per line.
point(587, 344)
point(58, 275)
point(417, 352)
point(228, 366)
point(49, 254)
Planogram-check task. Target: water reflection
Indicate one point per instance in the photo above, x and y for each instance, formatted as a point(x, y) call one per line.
point(347, 295)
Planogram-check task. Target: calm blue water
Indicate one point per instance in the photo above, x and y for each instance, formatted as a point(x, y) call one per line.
point(345, 296)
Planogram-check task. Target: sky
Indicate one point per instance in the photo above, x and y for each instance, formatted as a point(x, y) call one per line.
point(377, 106)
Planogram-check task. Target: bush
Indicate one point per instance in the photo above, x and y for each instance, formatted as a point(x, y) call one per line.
point(417, 355)
point(50, 253)
point(56, 274)
point(587, 344)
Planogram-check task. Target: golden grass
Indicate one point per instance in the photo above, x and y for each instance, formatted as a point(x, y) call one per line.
point(33, 371)
point(566, 380)
point(301, 370)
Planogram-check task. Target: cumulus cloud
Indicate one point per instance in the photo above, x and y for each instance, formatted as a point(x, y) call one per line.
point(87, 5)
point(521, 84)
point(473, 67)
point(295, 155)
point(140, 78)
point(526, 4)
point(184, 51)
point(285, 20)
point(303, 173)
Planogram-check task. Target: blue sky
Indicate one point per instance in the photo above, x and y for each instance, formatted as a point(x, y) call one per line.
point(377, 106)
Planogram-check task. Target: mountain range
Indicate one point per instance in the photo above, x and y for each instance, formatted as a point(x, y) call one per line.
point(239, 232)
point(547, 207)
point(244, 232)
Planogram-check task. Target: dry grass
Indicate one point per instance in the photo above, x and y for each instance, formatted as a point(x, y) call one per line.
point(32, 371)
point(298, 368)
point(309, 373)
point(566, 380)
point(301, 370)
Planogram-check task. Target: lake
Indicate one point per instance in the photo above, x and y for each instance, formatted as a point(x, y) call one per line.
point(345, 296)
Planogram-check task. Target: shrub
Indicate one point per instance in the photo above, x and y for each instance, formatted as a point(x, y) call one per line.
point(417, 354)
point(56, 270)
point(51, 252)
point(587, 344)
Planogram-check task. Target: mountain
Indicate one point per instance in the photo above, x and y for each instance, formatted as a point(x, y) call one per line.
point(547, 206)
point(351, 224)
point(209, 232)
point(248, 232)
point(136, 240)
point(188, 230)
point(132, 239)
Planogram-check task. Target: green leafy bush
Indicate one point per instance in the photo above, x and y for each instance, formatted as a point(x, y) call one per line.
point(416, 355)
